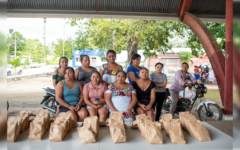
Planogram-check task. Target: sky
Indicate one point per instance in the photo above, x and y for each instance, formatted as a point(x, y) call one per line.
point(34, 28)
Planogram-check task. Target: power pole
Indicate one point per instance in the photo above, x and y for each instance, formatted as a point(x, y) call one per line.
point(15, 47)
point(44, 36)
point(63, 37)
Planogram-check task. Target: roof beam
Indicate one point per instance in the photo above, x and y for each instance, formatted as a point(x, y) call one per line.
point(184, 7)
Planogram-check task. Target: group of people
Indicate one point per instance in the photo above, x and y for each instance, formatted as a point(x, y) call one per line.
point(202, 74)
point(88, 92)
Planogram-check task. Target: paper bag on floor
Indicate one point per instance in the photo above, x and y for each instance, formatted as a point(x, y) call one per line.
point(37, 129)
point(199, 131)
point(141, 126)
point(118, 133)
point(64, 124)
point(153, 133)
point(86, 135)
point(115, 118)
point(93, 124)
point(134, 124)
point(175, 132)
point(12, 130)
point(25, 119)
point(166, 121)
point(56, 132)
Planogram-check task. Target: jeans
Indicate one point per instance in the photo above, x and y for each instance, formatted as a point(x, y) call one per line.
point(174, 95)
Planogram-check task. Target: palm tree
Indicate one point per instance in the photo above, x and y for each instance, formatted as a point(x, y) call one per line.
point(15, 63)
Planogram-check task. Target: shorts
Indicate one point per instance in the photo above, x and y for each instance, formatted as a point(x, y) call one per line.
point(105, 105)
point(144, 102)
point(197, 77)
point(65, 109)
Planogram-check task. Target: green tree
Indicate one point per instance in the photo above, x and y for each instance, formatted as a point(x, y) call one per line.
point(15, 63)
point(124, 34)
point(20, 43)
point(58, 48)
point(217, 30)
point(185, 56)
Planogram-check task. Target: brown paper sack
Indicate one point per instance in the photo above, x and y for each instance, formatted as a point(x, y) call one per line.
point(117, 127)
point(44, 113)
point(166, 120)
point(175, 132)
point(37, 128)
point(25, 119)
point(93, 124)
point(115, 118)
point(12, 130)
point(141, 126)
point(64, 124)
point(86, 135)
point(199, 131)
point(90, 129)
point(134, 124)
point(56, 133)
point(153, 133)
point(195, 128)
point(118, 133)
point(182, 120)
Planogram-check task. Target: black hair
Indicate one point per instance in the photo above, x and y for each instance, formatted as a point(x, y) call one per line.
point(69, 68)
point(185, 63)
point(110, 51)
point(122, 72)
point(134, 56)
point(60, 60)
point(143, 68)
point(81, 57)
point(97, 73)
point(158, 63)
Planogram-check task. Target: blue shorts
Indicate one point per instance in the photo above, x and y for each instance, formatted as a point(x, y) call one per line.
point(105, 105)
point(197, 77)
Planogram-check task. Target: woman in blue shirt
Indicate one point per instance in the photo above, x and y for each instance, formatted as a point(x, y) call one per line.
point(69, 94)
point(133, 69)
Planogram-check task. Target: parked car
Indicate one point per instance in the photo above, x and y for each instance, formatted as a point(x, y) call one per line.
point(11, 70)
point(35, 65)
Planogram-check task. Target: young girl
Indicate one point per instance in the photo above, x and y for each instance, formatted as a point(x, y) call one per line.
point(211, 76)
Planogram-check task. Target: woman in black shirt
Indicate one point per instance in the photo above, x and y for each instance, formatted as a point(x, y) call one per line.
point(145, 89)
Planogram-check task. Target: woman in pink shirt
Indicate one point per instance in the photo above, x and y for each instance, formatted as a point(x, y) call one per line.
point(93, 93)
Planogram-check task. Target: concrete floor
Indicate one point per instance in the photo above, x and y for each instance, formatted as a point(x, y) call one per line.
point(224, 126)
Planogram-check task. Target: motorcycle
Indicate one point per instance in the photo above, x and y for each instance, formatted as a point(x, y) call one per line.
point(207, 110)
point(48, 101)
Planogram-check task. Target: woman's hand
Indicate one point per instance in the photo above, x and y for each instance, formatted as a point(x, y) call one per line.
point(71, 107)
point(149, 107)
point(129, 112)
point(98, 106)
point(95, 103)
point(77, 107)
point(143, 107)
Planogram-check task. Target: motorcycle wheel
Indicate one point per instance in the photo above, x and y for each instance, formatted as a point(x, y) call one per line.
point(214, 108)
point(50, 105)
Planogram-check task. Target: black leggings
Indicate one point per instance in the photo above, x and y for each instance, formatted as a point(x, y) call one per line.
point(160, 96)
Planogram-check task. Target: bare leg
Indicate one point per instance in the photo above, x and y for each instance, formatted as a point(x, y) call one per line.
point(82, 114)
point(73, 115)
point(140, 111)
point(57, 112)
point(150, 114)
point(102, 112)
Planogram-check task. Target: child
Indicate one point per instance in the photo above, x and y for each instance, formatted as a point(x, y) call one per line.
point(203, 77)
point(211, 76)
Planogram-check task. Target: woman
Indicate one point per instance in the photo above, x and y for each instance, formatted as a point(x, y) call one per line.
point(133, 69)
point(69, 96)
point(145, 89)
point(160, 79)
point(211, 76)
point(182, 77)
point(84, 72)
point(120, 96)
point(58, 75)
point(196, 73)
point(94, 97)
point(110, 69)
